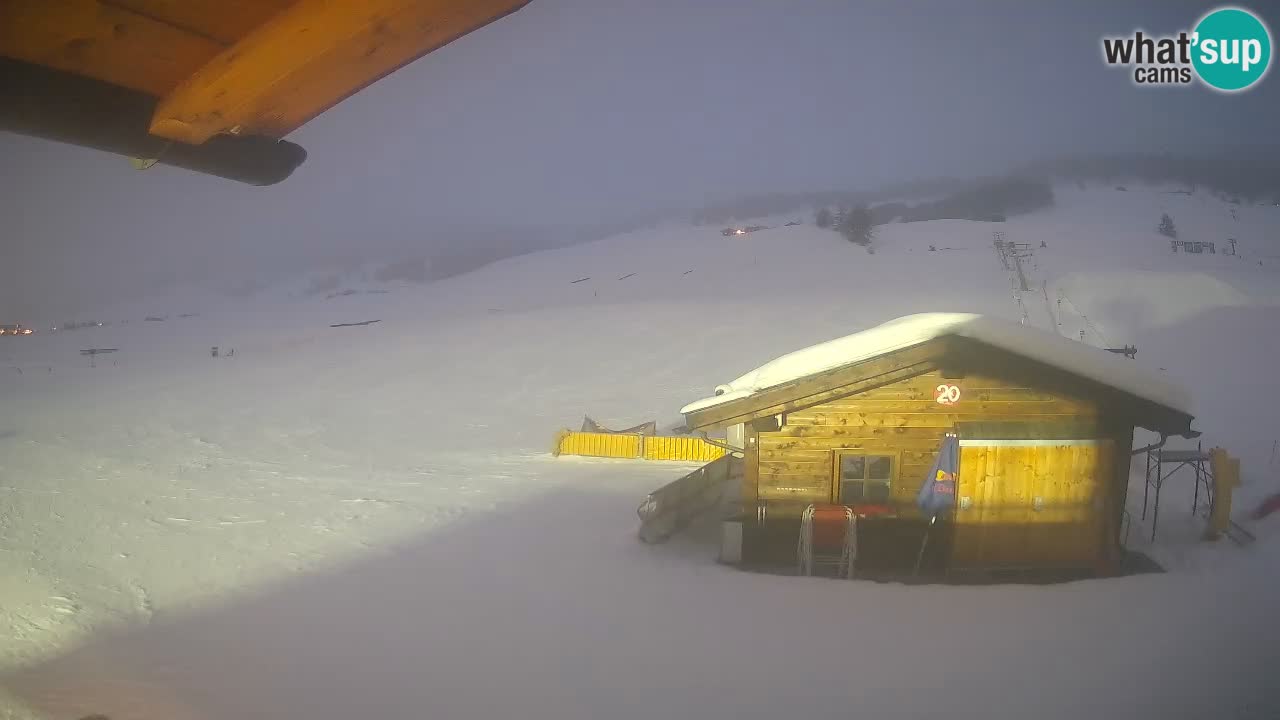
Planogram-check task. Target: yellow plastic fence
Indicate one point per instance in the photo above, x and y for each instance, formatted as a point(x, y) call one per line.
point(645, 447)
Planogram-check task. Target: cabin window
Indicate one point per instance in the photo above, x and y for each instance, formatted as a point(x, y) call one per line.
point(864, 478)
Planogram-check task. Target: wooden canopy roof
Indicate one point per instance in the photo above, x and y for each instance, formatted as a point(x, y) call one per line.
point(954, 356)
point(186, 72)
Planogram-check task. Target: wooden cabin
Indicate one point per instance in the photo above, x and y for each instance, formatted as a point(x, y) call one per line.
point(1045, 426)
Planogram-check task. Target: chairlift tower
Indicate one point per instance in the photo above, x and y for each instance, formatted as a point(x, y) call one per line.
point(997, 238)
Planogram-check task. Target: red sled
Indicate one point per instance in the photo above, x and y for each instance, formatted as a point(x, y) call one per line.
point(1267, 507)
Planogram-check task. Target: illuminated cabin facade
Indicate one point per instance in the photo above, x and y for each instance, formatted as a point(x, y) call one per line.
point(1045, 442)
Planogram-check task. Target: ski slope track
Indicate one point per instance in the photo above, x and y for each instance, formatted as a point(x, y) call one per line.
point(365, 521)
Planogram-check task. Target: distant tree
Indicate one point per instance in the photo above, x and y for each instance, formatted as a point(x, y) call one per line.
point(837, 219)
point(886, 213)
point(857, 226)
point(1166, 227)
point(823, 218)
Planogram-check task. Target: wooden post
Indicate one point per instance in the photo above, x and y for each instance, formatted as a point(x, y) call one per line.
point(750, 492)
point(749, 495)
point(1111, 559)
point(1226, 477)
point(556, 443)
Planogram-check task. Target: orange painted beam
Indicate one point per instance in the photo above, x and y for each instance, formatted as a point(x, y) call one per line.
point(225, 21)
point(309, 57)
point(103, 42)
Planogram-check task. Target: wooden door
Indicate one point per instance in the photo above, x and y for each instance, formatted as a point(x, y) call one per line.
point(1030, 503)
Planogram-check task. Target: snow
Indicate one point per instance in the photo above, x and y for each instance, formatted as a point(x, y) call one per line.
point(366, 522)
point(905, 332)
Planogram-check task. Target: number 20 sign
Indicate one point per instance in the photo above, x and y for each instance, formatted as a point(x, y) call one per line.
point(947, 394)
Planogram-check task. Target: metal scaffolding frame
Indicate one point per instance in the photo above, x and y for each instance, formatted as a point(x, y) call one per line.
point(1157, 459)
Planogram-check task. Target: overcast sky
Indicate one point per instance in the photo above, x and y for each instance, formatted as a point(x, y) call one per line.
point(576, 111)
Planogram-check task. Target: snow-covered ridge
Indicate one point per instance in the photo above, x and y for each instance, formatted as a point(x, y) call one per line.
point(1076, 357)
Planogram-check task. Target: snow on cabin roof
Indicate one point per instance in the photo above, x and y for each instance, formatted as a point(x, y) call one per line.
point(1075, 357)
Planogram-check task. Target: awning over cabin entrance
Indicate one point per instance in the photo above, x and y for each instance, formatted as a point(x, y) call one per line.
point(211, 86)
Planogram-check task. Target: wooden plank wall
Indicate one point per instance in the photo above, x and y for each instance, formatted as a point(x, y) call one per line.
point(1112, 522)
point(1002, 526)
point(633, 445)
point(608, 445)
point(795, 462)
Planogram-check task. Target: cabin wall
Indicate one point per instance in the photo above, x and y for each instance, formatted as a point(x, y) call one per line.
point(795, 462)
point(1113, 535)
point(1032, 503)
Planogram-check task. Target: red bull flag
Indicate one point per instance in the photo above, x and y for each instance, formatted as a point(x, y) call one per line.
point(938, 492)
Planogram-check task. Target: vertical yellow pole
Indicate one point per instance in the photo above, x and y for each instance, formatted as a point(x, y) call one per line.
point(1226, 477)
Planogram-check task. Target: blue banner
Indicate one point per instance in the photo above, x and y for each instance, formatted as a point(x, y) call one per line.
point(938, 493)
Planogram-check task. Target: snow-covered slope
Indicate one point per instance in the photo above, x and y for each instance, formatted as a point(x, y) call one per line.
point(365, 521)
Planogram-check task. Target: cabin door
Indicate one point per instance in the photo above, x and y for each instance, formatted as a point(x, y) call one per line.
point(1030, 503)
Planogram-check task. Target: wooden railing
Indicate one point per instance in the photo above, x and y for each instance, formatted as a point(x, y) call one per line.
point(671, 507)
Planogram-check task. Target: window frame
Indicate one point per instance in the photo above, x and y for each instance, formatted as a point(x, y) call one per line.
point(895, 462)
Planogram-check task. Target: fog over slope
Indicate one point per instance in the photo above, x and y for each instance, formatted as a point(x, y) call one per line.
point(573, 114)
point(335, 519)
